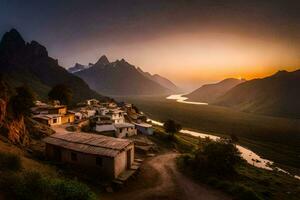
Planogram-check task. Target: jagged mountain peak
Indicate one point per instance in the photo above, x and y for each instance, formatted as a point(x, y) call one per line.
point(103, 60)
point(28, 63)
point(12, 40)
point(37, 49)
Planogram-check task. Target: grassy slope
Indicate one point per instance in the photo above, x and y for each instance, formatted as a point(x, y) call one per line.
point(27, 162)
point(277, 139)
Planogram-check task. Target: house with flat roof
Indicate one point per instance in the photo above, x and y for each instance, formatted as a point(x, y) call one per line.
point(48, 119)
point(101, 155)
point(125, 130)
point(119, 130)
point(116, 115)
point(144, 128)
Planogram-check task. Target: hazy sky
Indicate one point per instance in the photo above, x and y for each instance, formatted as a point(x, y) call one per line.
point(188, 41)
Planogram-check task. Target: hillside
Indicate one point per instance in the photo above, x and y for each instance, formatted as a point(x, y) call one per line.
point(119, 78)
point(210, 92)
point(160, 80)
point(28, 63)
point(277, 95)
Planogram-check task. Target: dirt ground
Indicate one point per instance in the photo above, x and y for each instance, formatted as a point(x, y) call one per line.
point(160, 179)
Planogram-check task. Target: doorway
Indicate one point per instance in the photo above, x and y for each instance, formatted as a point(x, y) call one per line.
point(57, 154)
point(128, 155)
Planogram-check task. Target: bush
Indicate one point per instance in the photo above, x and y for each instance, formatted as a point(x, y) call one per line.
point(217, 157)
point(32, 186)
point(69, 189)
point(244, 193)
point(9, 161)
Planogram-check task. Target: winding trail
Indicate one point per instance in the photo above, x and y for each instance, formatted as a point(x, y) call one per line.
point(170, 184)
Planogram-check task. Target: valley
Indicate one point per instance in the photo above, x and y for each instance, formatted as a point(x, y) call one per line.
point(274, 138)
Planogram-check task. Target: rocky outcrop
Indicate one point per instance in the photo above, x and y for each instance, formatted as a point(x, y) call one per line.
point(2, 111)
point(17, 132)
point(14, 129)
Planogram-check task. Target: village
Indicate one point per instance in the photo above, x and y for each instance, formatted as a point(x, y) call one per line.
point(101, 138)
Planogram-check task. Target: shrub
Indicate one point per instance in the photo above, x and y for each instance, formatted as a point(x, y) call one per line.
point(70, 189)
point(9, 161)
point(243, 192)
point(32, 186)
point(218, 157)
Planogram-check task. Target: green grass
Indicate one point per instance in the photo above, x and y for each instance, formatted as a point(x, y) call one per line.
point(248, 183)
point(277, 139)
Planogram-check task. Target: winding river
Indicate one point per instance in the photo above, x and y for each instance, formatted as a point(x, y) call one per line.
point(179, 98)
point(251, 157)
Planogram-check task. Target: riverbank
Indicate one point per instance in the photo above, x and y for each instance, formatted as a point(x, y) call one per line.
point(261, 183)
point(276, 139)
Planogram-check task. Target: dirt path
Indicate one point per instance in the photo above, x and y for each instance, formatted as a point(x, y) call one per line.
point(169, 184)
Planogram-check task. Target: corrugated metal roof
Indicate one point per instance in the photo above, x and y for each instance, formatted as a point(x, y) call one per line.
point(89, 143)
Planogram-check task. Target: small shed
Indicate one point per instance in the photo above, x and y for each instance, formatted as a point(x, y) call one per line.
point(101, 155)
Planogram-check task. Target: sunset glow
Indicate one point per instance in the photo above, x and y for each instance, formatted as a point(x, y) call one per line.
point(187, 42)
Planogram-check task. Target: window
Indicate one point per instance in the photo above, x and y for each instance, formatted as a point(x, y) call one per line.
point(54, 121)
point(73, 156)
point(99, 161)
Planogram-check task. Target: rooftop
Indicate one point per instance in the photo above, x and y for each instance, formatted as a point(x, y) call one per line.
point(123, 125)
point(146, 125)
point(47, 116)
point(89, 143)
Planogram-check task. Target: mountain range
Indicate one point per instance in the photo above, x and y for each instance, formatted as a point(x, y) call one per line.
point(120, 78)
point(277, 95)
point(210, 92)
point(28, 63)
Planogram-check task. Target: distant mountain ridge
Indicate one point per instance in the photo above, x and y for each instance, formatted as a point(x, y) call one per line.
point(160, 80)
point(119, 78)
point(28, 63)
point(210, 92)
point(277, 95)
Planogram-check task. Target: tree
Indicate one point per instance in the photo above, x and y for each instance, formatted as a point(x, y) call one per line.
point(218, 157)
point(22, 101)
point(62, 93)
point(172, 127)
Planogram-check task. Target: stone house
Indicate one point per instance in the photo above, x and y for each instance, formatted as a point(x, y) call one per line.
point(100, 155)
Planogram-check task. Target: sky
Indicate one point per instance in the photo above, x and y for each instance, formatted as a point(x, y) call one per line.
point(191, 42)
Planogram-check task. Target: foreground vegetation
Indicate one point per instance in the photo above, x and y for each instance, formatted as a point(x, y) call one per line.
point(218, 164)
point(25, 179)
point(277, 139)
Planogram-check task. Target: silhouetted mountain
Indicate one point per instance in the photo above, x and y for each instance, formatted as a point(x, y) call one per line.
point(102, 61)
point(277, 95)
point(210, 92)
point(29, 63)
point(119, 78)
point(160, 80)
